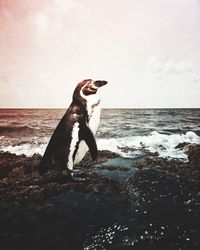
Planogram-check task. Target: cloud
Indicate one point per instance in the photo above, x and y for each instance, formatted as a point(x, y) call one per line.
point(156, 66)
point(179, 70)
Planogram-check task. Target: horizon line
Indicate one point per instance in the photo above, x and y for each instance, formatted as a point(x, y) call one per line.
point(103, 108)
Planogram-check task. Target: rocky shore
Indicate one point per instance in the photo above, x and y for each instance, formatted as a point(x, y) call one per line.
point(156, 207)
point(190, 169)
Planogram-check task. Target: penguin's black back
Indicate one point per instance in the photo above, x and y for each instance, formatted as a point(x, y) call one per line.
point(58, 148)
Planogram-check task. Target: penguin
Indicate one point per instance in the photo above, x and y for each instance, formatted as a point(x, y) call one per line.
point(74, 134)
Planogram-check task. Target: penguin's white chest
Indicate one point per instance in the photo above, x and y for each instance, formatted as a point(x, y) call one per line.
point(94, 117)
point(94, 113)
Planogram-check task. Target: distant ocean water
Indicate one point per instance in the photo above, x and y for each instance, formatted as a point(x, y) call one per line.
point(131, 133)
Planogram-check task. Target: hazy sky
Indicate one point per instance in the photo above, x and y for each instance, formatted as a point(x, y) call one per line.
point(148, 50)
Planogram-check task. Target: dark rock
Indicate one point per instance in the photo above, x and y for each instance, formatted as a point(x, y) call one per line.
point(182, 145)
point(152, 210)
point(61, 222)
point(127, 149)
point(21, 181)
point(193, 152)
point(102, 157)
point(154, 154)
point(165, 210)
point(53, 211)
point(189, 169)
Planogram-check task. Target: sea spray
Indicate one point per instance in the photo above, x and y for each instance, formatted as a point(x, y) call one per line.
point(131, 147)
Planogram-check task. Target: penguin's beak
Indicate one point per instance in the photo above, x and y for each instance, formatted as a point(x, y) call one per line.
point(99, 83)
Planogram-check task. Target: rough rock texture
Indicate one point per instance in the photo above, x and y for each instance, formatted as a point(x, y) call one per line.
point(59, 222)
point(20, 180)
point(102, 157)
point(189, 169)
point(165, 211)
point(193, 152)
point(156, 208)
point(53, 211)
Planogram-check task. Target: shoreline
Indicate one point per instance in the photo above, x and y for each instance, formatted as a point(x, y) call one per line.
point(19, 169)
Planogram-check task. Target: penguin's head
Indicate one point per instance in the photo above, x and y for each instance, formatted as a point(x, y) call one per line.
point(90, 87)
point(87, 87)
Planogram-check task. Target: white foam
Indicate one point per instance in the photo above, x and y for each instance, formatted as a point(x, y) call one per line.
point(126, 146)
point(27, 149)
point(154, 142)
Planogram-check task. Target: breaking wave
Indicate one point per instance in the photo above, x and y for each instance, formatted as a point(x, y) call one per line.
point(26, 149)
point(133, 146)
point(164, 144)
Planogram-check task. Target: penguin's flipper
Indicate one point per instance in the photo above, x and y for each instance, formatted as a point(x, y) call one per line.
point(88, 136)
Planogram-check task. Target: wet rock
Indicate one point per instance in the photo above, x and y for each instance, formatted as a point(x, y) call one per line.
point(60, 222)
point(102, 157)
point(21, 181)
point(182, 145)
point(189, 169)
point(154, 154)
point(193, 153)
point(152, 210)
point(165, 210)
point(53, 211)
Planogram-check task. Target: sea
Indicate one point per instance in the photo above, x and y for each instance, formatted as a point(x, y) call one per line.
point(131, 133)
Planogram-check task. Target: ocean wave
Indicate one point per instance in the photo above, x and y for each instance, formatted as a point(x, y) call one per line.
point(26, 149)
point(164, 144)
point(132, 146)
point(16, 131)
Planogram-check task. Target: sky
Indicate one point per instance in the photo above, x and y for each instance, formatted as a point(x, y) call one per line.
point(147, 50)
